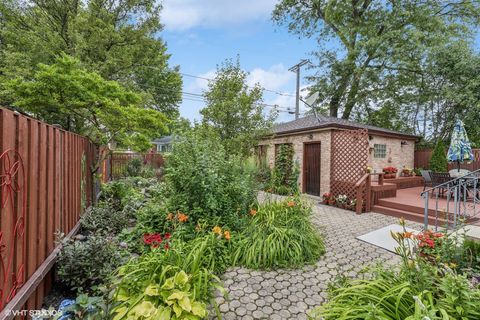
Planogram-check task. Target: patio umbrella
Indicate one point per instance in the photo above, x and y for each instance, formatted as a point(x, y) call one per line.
point(460, 149)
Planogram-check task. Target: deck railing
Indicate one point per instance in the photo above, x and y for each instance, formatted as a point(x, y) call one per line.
point(363, 193)
point(454, 201)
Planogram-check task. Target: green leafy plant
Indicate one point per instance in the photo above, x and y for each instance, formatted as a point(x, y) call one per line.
point(279, 234)
point(419, 289)
point(134, 167)
point(103, 219)
point(206, 183)
point(85, 265)
point(284, 177)
point(438, 161)
point(172, 299)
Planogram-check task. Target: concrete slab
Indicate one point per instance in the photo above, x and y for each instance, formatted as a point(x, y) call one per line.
point(382, 237)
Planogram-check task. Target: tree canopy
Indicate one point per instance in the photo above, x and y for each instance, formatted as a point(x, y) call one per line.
point(82, 101)
point(116, 39)
point(234, 110)
point(382, 62)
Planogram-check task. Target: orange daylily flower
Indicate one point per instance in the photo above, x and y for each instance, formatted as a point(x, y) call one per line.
point(182, 217)
point(253, 212)
point(290, 204)
point(217, 230)
point(226, 234)
point(407, 234)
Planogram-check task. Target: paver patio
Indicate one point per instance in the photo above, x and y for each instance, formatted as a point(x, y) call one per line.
point(289, 294)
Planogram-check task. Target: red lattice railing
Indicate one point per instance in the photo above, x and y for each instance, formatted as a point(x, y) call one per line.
point(349, 162)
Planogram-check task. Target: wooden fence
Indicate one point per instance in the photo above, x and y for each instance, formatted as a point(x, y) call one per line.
point(422, 159)
point(45, 186)
point(119, 161)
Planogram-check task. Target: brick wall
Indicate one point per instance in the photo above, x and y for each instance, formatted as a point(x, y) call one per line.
point(398, 155)
point(324, 137)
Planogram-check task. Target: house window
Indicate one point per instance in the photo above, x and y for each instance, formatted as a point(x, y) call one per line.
point(379, 150)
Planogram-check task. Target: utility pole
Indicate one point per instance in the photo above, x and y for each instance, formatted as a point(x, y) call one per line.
point(296, 68)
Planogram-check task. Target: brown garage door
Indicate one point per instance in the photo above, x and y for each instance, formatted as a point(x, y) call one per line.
point(311, 168)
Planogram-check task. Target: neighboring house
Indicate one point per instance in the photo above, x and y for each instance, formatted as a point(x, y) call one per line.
point(317, 151)
point(163, 144)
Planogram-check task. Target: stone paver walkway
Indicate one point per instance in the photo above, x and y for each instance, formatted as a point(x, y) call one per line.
point(289, 294)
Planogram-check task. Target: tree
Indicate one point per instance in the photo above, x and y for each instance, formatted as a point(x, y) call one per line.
point(438, 161)
point(82, 101)
point(234, 111)
point(378, 46)
point(116, 39)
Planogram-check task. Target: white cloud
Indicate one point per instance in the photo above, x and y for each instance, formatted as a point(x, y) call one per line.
point(186, 14)
point(198, 85)
point(274, 78)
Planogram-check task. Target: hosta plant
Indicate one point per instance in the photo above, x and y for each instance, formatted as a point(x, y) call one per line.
point(172, 299)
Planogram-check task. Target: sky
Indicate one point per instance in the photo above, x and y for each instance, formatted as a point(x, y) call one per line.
point(202, 34)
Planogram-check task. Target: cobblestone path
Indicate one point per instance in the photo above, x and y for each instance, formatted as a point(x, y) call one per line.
point(289, 294)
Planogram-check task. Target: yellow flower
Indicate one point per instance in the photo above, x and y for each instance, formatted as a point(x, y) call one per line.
point(170, 216)
point(226, 234)
point(453, 265)
point(217, 230)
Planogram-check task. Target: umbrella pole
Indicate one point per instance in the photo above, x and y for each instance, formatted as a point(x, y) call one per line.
point(458, 165)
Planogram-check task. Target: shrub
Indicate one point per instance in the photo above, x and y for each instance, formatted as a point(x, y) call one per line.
point(152, 218)
point(134, 167)
point(205, 183)
point(279, 234)
point(103, 219)
point(438, 161)
point(85, 265)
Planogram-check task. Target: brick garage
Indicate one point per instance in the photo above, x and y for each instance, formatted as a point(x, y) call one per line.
point(385, 147)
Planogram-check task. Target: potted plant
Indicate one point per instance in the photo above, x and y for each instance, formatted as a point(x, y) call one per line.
point(390, 172)
point(407, 172)
point(328, 199)
point(342, 201)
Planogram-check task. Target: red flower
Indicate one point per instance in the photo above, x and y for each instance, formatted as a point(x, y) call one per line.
point(167, 236)
point(147, 239)
point(166, 246)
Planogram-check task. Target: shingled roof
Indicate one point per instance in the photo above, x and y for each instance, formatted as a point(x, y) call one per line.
point(312, 123)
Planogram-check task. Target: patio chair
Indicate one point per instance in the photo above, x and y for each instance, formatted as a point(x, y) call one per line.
point(439, 178)
point(427, 179)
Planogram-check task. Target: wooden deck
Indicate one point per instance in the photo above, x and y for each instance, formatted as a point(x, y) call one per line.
point(408, 204)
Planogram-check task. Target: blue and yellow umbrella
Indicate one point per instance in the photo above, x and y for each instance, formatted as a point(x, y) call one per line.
point(460, 150)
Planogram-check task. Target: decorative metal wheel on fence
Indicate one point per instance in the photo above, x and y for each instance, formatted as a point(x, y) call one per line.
point(45, 186)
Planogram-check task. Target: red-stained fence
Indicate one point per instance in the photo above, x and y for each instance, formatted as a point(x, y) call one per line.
point(45, 185)
point(119, 162)
point(422, 159)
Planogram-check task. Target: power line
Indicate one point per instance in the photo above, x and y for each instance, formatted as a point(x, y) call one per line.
point(210, 79)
